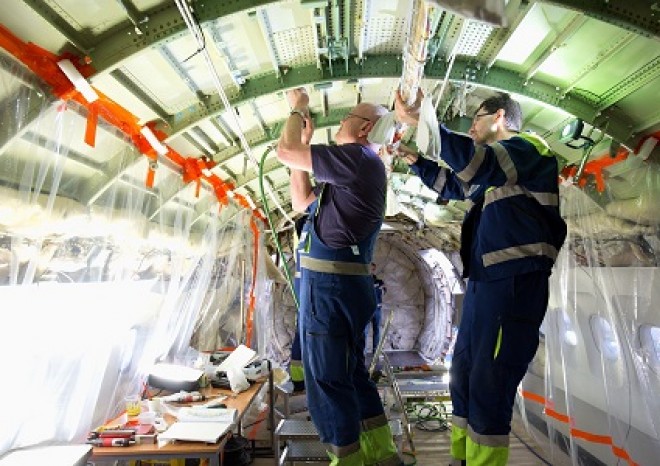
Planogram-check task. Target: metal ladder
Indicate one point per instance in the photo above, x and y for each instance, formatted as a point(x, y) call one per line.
point(298, 440)
point(391, 380)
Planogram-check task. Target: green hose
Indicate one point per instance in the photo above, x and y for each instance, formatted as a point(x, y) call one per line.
point(272, 227)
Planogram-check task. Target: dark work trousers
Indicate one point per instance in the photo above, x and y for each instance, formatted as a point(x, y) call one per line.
point(497, 339)
point(334, 314)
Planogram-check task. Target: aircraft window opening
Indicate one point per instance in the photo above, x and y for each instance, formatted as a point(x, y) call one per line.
point(605, 338)
point(568, 332)
point(650, 340)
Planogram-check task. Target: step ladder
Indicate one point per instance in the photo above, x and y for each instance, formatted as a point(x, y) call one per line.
point(290, 402)
point(391, 381)
point(298, 440)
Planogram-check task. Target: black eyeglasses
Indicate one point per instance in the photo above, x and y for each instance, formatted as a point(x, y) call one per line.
point(479, 115)
point(348, 115)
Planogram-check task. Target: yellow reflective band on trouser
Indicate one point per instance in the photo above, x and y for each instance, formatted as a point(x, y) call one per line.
point(498, 343)
point(350, 455)
point(297, 372)
point(377, 446)
point(487, 450)
point(458, 438)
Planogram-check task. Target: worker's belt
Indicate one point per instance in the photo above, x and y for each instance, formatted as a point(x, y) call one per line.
point(342, 268)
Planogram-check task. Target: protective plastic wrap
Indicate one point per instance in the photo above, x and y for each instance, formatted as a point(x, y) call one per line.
point(420, 292)
point(592, 390)
point(101, 277)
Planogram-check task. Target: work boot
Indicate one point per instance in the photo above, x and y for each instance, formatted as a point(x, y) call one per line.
point(298, 386)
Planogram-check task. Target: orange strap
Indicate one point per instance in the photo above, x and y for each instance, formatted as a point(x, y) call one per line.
point(44, 64)
point(255, 263)
point(577, 433)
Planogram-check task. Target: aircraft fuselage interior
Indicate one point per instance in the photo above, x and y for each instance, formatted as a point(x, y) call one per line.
point(149, 210)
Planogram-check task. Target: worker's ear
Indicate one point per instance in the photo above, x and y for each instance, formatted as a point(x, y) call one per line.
point(366, 128)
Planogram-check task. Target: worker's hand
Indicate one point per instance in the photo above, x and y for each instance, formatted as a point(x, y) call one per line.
point(308, 130)
point(298, 99)
point(407, 154)
point(405, 113)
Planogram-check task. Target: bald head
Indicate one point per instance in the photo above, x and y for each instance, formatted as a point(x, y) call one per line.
point(357, 124)
point(370, 111)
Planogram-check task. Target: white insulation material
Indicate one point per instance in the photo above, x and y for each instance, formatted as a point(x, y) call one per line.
point(417, 295)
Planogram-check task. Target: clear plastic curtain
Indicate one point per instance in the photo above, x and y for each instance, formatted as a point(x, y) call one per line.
point(592, 390)
point(99, 276)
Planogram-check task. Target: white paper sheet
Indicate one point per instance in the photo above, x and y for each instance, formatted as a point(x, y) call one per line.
point(239, 358)
point(208, 432)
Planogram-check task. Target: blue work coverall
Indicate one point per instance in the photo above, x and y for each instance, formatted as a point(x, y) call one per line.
point(296, 370)
point(509, 242)
point(337, 302)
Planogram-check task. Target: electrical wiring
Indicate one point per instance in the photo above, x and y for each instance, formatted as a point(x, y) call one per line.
point(276, 239)
point(427, 414)
point(197, 33)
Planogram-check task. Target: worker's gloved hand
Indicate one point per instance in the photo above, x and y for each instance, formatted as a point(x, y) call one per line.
point(408, 114)
point(298, 99)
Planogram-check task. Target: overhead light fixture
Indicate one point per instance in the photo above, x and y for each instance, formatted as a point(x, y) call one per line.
point(573, 135)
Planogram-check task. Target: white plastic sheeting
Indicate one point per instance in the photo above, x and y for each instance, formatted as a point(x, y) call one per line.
point(93, 292)
point(592, 390)
point(419, 293)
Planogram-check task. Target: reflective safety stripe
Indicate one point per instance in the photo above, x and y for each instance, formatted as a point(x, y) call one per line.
point(459, 422)
point(440, 181)
point(337, 267)
point(376, 442)
point(346, 450)
point(487, 450)
point(488, 440)
point(297, 372)
point(519, 252)
point(296, 275)
point(540, 144)
point(498, 343)
point(506, 164)
point(504, 192)
point(458, 438)
point(374, 422)
point(477, 159)
point(352, 458)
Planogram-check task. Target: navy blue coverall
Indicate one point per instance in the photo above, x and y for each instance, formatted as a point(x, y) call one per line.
point(337, 302)
point(509, 242)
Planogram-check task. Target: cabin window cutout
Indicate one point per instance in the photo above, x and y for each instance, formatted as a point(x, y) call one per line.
point(650, 339)
point(567, 329)
point(605, 338)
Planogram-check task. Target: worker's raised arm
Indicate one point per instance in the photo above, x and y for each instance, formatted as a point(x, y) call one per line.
point(293, 147)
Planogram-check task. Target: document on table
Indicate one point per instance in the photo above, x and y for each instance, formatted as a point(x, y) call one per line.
point(209, 432)
point(199, 414)
point(239, 358)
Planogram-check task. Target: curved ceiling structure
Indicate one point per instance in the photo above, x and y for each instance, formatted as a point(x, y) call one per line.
point(595, 60)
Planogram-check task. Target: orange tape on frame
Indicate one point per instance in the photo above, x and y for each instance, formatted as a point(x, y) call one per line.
point(577, 433)
point(44, 64)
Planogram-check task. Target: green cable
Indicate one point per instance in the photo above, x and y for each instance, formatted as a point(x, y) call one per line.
point(272, 227)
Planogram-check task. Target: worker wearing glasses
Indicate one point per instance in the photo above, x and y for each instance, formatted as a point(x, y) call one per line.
point(510, 239)
point(337, 301)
